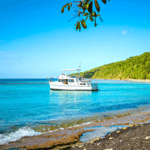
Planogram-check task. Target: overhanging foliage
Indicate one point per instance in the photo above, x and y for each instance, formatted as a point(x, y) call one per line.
point(84, 10)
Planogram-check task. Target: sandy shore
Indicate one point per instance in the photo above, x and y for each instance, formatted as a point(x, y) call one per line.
point(139, 80)
point(69, 137)
point(134, 80)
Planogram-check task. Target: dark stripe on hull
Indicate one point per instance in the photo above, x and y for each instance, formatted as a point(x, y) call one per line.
point(73, 90)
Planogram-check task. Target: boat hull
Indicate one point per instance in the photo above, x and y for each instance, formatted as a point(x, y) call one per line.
point(53, 86)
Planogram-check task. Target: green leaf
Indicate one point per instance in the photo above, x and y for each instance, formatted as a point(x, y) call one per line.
point(62, 10)
point(91, 18)
point(85, 5)
point(85, 14)
point(68, 4)
point(97, 5)
point(69, 7)
point(90, 8)
point(95, 24)
point(78, 26)
point(104, 1)
point(94, 14)
point(87, 17)
point(83, 24)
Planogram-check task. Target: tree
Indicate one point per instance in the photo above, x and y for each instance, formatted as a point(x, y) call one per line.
point(84, 10)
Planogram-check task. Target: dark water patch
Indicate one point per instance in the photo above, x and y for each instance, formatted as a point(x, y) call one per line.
point(116, 107)
point(24, 83)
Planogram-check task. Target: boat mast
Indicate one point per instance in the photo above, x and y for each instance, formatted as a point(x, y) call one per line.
point(79, 67)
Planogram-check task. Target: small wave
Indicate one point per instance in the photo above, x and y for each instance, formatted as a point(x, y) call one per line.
point(78, 125)
point(25, 131)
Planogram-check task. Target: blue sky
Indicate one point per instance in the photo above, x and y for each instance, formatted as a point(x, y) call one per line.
point(37, 41)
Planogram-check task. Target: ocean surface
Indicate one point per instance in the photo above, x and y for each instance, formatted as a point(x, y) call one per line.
point(28, 107)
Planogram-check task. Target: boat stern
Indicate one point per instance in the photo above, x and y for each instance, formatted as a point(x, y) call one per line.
point(94, 86)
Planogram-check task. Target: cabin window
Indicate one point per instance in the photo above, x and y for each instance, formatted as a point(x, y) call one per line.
point(82, 83)
point(65, 80)
point(71, 80)
point(61, 80)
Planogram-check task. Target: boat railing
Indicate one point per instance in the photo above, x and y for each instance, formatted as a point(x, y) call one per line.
point(85, 80)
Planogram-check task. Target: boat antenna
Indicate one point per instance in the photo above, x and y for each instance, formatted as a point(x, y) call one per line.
point(48, 79)
point(79, 67)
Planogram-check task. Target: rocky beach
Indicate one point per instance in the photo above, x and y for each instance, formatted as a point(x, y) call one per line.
point(135, 135)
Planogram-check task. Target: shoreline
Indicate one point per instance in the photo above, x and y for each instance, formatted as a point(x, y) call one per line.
point(70, 136)
point(139, 80)
point(134, 80)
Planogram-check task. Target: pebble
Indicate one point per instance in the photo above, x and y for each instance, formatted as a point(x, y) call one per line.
point(110, 138)
point(93, 140)
point(98, 144)
point(81, 146)
point(131, 125)
point(147, 138)
point(117, 131)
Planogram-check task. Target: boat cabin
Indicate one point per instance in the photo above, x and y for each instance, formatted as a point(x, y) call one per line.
point(67, 79)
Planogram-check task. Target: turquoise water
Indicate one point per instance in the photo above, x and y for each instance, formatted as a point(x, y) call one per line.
point(29, 103)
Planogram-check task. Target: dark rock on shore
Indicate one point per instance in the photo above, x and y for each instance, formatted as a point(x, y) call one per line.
point(130, 138)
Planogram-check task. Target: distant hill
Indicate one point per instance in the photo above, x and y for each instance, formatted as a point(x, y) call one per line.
point(137, 67)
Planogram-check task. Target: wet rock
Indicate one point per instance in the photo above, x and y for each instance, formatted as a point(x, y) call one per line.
point(48, 140)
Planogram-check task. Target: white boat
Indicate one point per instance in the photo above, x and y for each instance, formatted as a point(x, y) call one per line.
point(72, 83)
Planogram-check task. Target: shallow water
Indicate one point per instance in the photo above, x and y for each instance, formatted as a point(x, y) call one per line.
point(99, 131)
point(30, 105)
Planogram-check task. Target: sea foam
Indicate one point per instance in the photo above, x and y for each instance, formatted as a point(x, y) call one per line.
point(14, 136)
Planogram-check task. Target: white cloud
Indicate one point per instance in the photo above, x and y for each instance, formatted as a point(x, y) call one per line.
point(124, 32)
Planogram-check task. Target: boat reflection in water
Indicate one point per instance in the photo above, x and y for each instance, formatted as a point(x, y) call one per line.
point(70, 96)
point(71, 104)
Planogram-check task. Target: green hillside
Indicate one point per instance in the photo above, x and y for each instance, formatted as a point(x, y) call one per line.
point(137, 67)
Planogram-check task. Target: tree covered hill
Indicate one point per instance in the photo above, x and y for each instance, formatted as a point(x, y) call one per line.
point(137, 67)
